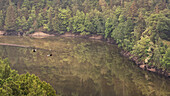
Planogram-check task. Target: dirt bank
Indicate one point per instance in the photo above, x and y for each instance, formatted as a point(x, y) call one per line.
point(40, 34)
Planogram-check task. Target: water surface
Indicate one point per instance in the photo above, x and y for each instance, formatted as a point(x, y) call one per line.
point(80, 67)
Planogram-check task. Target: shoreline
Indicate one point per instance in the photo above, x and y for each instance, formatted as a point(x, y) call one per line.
point(124, 53)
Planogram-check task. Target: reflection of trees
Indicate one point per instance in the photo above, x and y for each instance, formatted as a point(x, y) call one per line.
point(81, 67)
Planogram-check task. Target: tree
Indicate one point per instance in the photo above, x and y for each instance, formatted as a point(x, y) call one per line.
point(122, 3)
point(40, 20)
point(22, 24)
point(78, 22)
point(55, 23)
point(159, 24)
point(98, 21)
point(166, 59)
point(103, 4)
point(111, 3)
point(140, 26)
point(86, 5)
point(32, 20)
point(1, 20)
point(157, 56)
point(143, 47)
point(128, 35)
point(89, 27)
point(10, 20)
point(133, 9)
point(157, 9)
point(110, 25)
point(13, 84)
point(63, 17)
point(26, 4)
point(49, 25)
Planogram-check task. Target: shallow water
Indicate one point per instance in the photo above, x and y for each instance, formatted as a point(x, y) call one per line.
point(80, 67)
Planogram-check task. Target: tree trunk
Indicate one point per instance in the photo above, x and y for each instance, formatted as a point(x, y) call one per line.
point(122, 3)
point(111, 3)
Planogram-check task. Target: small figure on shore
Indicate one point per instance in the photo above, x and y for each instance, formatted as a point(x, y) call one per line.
point(34, 50)
point(49, 55)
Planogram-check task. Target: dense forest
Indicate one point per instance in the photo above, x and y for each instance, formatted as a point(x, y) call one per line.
point(141, 27)
point(13, 84)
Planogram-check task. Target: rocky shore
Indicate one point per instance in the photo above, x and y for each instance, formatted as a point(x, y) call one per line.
point(144, 66)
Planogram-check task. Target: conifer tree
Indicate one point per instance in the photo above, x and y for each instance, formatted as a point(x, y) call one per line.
point(1, 20)
point(10, 20)
point(157, 9)
point(111, 3)
point(133, 9)
point(122, 3)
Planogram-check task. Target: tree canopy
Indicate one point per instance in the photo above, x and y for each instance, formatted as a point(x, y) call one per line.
point(13, 84)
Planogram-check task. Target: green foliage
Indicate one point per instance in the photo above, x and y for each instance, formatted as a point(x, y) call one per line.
point(49, 25)
point(142, 47)
point(89, 27)
point(13, 84)
point(108, 27)
point(1, 20)
point(166, 59)
point(160, 24)
point(97, 20)
point(78, 22)
point(22, 24)
point(63, 16)
point(10, 20)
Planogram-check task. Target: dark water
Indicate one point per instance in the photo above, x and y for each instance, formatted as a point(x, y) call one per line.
point(80, 67)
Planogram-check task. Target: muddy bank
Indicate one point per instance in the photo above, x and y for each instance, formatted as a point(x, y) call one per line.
point(40, 34)
point(144, 66)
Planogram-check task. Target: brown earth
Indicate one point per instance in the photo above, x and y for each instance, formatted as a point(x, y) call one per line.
point(37, 34)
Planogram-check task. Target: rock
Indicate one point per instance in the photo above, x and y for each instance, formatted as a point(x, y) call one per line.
point(142, 66)
point(168, 74)
point(2, 32)
point(152, 69)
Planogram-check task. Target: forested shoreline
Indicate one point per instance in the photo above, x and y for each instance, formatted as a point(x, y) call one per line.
point(141, 27)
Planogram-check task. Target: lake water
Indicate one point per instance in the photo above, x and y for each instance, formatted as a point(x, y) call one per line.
point(81, 67)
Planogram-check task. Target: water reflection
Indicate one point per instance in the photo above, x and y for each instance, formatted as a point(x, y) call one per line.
point(82, 67)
